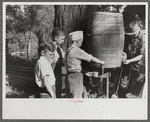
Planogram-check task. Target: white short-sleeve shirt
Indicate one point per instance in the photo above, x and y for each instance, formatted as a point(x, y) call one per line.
point(43, 68)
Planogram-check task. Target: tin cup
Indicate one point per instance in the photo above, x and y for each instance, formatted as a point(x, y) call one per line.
point(95, 74)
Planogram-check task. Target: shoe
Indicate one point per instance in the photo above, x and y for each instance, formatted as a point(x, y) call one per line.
point(130, 95)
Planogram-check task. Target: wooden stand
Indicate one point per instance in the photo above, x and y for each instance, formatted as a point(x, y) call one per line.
point(106, 75)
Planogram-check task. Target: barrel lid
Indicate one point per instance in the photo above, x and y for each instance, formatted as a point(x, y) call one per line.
point(108, 13)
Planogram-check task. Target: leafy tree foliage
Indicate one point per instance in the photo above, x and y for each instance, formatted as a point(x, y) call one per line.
point(134, 12)
point(109, 8)
point(23, 20)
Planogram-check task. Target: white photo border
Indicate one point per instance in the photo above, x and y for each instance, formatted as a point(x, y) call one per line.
point(96, 109)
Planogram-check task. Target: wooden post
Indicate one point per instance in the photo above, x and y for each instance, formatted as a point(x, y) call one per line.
point(107, 75)
point(107, 87)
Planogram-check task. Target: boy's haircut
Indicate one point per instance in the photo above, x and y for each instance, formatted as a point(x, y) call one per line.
point(57, 32)
point(46, 46)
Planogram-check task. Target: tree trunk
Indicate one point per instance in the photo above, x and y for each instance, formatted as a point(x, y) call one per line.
point(28, 45)
point(20, 47)
point(72, 17)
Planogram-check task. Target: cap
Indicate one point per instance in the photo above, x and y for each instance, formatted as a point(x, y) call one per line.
point(133, 28)
point(76, 35)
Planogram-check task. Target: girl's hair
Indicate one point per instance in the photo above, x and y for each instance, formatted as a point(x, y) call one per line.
point(57, 32)
point(46, 46)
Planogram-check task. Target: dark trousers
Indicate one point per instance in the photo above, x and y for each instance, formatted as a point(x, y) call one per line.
point(58, 76)
point(137, 84)
point(134, 85)
point(40, 90)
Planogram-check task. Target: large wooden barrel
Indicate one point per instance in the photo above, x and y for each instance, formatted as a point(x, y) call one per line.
point(105, 38)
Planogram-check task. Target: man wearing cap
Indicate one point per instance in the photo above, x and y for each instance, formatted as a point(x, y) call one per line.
point(73, 64)
point(134, 46)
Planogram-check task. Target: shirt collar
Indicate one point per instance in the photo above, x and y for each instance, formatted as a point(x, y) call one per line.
point(43, 58)
point(55, 44)
point(73, 45)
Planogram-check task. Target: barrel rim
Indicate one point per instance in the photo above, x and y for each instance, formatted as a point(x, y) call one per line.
point(108, 13)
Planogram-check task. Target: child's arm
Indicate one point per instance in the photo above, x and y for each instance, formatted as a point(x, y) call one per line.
point(135, 59)
point(48, 86)
point(94, 59)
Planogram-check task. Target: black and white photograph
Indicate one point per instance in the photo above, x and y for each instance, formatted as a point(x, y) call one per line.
point(88, 56)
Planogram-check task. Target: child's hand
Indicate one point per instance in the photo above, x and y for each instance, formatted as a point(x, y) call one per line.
point(102, 62)
point(126, 62)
